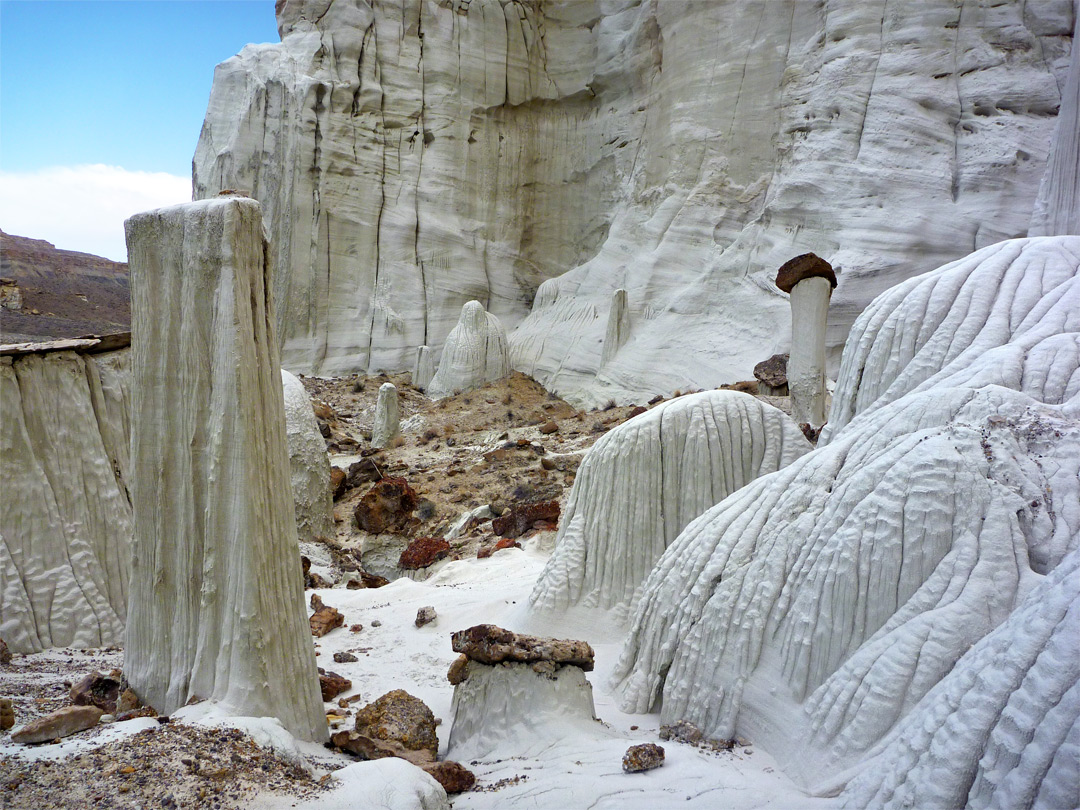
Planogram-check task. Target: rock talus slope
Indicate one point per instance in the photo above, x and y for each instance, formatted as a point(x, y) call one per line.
point(215, 604)
point(643, 482)
point(65, 516)
point(414, 155)
point(820, 605)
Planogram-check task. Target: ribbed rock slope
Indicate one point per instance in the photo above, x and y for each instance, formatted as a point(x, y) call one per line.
point(414, 155)
point(640, 485)
point(65, 517)
point(857, 588)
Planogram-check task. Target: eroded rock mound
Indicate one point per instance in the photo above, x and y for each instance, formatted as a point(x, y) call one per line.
point(840, 591)
point(644, 481)
point(475, 353)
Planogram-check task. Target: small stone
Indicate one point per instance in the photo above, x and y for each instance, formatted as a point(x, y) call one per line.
point(7, 714)
point(425, 615)
point(324, 619)
point(642, 757)
point(549, 427)
point(332, 685)
point(355, 628)
point(547, 463)
point(98, 690)
point(683, 731)
point(344, 658)
point(107, 718)
point(453, 776)
point(376, 623)
point(62, 723)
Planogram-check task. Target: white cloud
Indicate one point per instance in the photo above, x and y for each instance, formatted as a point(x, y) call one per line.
point(84, 207)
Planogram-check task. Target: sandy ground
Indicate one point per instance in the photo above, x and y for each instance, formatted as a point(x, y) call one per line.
point(448, 454)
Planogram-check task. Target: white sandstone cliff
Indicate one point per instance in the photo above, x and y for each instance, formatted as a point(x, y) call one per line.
point(818, 607)
point(415, 155)
point(65, 516)
point(215, 606)
point(309, 462)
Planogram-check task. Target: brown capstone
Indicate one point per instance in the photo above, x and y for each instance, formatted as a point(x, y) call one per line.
point(808, 265)
point(489, 644)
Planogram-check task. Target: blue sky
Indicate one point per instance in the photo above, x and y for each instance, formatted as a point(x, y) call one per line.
point(101, 103)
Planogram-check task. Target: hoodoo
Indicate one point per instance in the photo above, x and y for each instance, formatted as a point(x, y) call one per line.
point(215, 600)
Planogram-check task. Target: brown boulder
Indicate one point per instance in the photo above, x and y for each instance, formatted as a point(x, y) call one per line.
point(386, 506)
point(422, 552)
point(489, 644)
point(399, 721)
point(453, 776)
point(366, 581)
point(808, 265)
point(642, 757)
point(459, 670)
point(98, 690)
point(324, 619)
point(337, 482)
point(7, 714)
point(523, 517)
point(332, 684)
point(360, 472)
point(549, 427)
point(773, 372)
point(61, 723)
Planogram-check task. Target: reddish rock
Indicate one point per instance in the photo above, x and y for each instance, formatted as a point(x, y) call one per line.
point(505, 542)
point(808, 265)
point(387, 506)
point(489, 644)
point(423, 552)
point(637, 410)
point(522, 517)
point(453, 776)
point(332, 684)
point(337, 482)
point(61, 723)
point(324, 619)
point(549, 427)
point(98, 690)
point(642, 757)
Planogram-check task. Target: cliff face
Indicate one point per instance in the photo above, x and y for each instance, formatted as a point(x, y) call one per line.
point(414, 155)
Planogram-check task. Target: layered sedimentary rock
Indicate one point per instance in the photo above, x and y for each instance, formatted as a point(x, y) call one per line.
point(644, 481)
point(820, 606)
point(475, 353)
point(65, 515)
point(215, 600)
point(414, 155)
point(309, 462)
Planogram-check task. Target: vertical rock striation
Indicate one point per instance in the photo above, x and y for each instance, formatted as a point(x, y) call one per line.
point(387, 422)
point(414, 155)
point(642, 483)
point(65, 516)
point(309, 462)
point(215, 600)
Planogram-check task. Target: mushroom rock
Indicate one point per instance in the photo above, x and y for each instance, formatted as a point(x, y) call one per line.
point(387, 422)
point(475, 353)
point(65, 514)
point(809, 280)
point(771, 375)
point(423, 368)
point(310, 463)
point(1017, 302)
point(517, 690)
point(645, 480)
point(215, 603)
point(618, 326)
point(820, 606)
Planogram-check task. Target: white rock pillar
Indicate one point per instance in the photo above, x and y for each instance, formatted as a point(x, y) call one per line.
point(387, 423)
point(309, 463)
point(476, 352)
point(215, 605)
point(423, 368)
point(618, 326)
point(809, 280)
